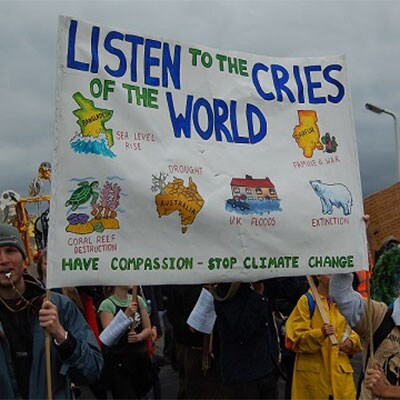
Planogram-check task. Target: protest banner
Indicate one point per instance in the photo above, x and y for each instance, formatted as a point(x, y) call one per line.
point(178, 163)
point(383, 208)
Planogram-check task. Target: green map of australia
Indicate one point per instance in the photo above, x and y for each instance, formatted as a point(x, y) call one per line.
point(176, 197)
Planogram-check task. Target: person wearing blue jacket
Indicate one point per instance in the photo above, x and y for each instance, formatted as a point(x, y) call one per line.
point(25, 315)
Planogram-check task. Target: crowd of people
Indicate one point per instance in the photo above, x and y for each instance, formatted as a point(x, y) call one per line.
point(304, 333)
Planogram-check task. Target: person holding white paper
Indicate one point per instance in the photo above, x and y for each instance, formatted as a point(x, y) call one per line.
point(195, 382)
point(127, 365)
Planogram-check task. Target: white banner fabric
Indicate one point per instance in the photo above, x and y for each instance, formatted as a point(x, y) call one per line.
point(177, 163)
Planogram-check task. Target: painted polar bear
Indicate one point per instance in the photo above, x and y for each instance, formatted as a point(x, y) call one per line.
point(333, 194)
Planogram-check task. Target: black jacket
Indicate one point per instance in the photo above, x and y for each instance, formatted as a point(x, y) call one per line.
point(248, 344)
point(181, 300)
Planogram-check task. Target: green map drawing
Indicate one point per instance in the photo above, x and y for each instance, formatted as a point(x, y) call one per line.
point(92, 119)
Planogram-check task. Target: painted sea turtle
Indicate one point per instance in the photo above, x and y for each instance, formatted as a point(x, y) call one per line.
point(82, 194)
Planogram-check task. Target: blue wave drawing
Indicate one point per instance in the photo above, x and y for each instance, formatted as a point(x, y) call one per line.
point(255, 207)
point(82, 179)
point(91, 146)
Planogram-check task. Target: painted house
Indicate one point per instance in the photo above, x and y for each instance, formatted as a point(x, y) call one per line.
point(253, 189)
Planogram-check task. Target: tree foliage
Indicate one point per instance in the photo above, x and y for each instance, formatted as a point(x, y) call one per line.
point(385, 283)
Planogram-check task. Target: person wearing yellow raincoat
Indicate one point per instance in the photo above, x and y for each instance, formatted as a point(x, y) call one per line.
point(321, 371)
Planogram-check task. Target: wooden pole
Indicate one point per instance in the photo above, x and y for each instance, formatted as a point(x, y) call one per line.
point(210, 347)
point(371, 263)
point(369, 315)
point(48, 358)
point(134, 296)
point(321, 308)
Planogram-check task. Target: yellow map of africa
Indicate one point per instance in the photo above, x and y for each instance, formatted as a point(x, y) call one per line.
point(307, 134)
point(185, 200)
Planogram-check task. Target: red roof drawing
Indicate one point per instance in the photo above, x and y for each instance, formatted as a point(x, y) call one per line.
point(254, 183)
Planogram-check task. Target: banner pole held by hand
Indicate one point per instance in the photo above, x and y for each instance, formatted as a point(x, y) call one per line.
point(134, 298)
point(321, 308)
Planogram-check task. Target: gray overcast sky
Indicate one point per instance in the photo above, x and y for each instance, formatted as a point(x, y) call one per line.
point(368, 32)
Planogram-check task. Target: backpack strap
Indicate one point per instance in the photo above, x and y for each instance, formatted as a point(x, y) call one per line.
point(384, 328)
point(311, 303)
